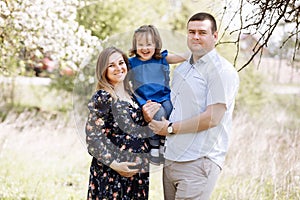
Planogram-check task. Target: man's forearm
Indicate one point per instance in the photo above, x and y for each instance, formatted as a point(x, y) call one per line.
point(208, 119)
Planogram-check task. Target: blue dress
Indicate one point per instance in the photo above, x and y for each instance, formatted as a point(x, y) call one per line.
point(115, 130)
point(151, 78)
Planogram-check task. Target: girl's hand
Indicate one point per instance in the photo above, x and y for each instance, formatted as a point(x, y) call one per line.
point(123, 168)
point(149, 110)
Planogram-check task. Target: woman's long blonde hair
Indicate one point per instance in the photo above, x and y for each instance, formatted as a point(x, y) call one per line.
point(101, 71)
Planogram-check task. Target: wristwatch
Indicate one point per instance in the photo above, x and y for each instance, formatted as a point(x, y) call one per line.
point(170, 129)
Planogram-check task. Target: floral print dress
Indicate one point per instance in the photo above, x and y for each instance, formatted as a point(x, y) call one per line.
point(116, 130)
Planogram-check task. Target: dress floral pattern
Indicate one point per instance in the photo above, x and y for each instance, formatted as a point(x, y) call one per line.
point(116, 130)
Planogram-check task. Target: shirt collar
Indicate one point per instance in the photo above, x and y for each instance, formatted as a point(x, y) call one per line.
point(204, 59)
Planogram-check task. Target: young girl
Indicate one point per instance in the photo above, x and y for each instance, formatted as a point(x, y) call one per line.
point(150, 72)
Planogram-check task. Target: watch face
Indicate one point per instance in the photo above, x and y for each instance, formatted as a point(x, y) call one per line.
point(170, 129)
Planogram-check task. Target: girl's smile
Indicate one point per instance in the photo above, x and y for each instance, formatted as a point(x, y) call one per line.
point(145, 47)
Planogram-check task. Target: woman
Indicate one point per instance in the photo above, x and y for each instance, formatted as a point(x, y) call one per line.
point(116, 134)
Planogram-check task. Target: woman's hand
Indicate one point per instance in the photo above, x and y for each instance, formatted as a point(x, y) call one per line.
point(149, 110)
point(123, 168)
point(159, 127)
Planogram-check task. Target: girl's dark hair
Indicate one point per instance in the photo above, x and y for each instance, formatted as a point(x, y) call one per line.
point(147, 29)
point(205, 16)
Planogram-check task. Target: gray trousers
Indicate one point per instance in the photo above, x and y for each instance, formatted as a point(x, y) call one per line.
point(192, 180)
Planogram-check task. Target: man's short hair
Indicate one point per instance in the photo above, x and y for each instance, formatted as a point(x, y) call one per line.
point(205, 16)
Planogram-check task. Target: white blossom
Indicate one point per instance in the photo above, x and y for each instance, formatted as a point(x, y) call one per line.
point(48, 26)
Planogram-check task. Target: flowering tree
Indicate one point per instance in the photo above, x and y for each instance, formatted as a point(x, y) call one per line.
point(29, 29)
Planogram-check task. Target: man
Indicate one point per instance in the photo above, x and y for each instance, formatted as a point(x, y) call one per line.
point(203, 95)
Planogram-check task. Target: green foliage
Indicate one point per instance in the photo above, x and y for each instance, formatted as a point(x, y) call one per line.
point(9, 64)
point(251, 96)
point(4, 112)
point(110, 17)
point(62, 83)
point(107, 18)
point(102, 18)
point(19, 95)
point(179, 21)
point(10, 42)
point(289, 103)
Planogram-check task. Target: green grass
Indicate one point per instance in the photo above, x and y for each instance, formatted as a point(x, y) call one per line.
point(35, 180)
point(34, 176)
point(35, 96)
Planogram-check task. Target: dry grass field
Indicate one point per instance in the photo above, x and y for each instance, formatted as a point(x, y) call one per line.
point(46, 160)
point(42, 156)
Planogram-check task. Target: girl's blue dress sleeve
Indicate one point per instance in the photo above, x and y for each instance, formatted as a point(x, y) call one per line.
point(164, 54)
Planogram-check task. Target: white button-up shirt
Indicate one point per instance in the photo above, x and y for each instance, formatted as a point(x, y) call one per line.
point(210, 80)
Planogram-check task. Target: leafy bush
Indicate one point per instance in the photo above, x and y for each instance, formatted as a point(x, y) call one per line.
point(251, 96)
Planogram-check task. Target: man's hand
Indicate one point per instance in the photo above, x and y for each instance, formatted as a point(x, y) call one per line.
point(159, 127)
